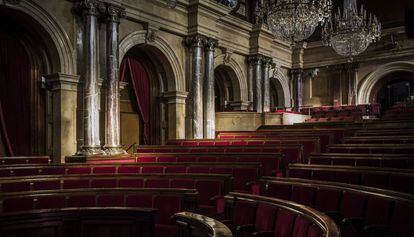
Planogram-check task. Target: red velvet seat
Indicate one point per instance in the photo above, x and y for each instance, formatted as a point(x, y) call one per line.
point(303, 195)
point(284, 223)
point(243, 214)
point(277, 190)
point(175, 169)
point(209, 192)
point(129, 170)
point(314, 231)
point(352, 205)
point(377, 212)
point(18, 204)
point(186, 159)
point(139, 200)
point(15, 187)
point(327, 200)
point(110, 201)
point(82, 201)
point(402, 220)
point(297, 173)
point(103, 183)
point(131, 183)
point(167, 206)
point(375, 180)
point(183, 183)
point(152, 170)
point(200, 170)
point(157, 183)
point(79, 170)
point(143, 159)
point(50, 202)
point(324, 175)
point(300, 229)
point(104, 170)
point(265, 218)
point(242, 176)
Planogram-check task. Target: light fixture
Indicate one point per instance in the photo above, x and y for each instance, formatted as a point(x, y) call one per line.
point(350, 32)
point(293, 20)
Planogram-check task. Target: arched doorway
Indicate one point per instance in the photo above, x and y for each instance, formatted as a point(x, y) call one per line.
point(143, 111)
point(392, 88)
point(277, 98)
point(26, 53)
point(225, 88)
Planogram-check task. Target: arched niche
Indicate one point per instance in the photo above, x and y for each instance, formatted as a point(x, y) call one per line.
point(281, 84)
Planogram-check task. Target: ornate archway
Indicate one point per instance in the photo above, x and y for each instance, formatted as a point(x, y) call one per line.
point(282, 85)
point(366, 89)
point(239, 79)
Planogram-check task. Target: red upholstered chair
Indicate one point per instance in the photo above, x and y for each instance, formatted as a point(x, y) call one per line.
point(15, 187)
point(200, 170)
point(104, 170)
point(314, 231)
point(348, 177)
point(303, 195)
point(186, 159)
point(53, 171)
point(284, 223)
point(352, 205)
point(375, 180)
point(277, 190)
point(143, 159)
point(396, 163)
point(183, 183)
point(344, 162)
point(243, 176)
point(327, 200)
point(157, 183)
point(46, 185)
point(207, 159)
point(300, 229)
point(129, 170)
point(210, 196)
point(243, 215)
point(402, 183)
point(221, 170)
point(139, 200)
point(402, 220)
point(175, 170)
point(131, 183)
point(320, 161)
point(265, 218)
point(50, 202)
point(152, 170)
point(73, 184)
point(325, 175)
point(103, 183)
point(297, 173)
point(79, 170)
point(110, 201)
point(82, 201)
point(377, 214)
point(18, 204)
point(167, 159)
point(167, 206)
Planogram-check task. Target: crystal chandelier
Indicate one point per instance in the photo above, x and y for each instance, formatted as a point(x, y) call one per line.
point(351, 32)
point(293, 20)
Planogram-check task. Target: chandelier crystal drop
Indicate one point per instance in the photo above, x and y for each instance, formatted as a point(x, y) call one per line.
point(293, 20)
point(350, 32)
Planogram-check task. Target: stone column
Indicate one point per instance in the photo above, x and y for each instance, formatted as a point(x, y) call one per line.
point(176, 114)
point(353, 76)
point(250, 62)
point(297, 75)
point(266, 84)
point(257, 83)
point(196, 44)
point(64, 89)
point(208, 100)
point(92, 143)
point(113, 125)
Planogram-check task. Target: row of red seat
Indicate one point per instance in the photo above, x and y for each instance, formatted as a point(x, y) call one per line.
point(372, 148)
point(373, 208)
point(25, 160)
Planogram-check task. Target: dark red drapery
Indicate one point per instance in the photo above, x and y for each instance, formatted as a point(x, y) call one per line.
point(14, 96)
point(141, 87)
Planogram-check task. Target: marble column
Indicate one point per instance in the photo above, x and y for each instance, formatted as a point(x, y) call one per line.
point(196, 90)
point(257, 83)
point(297, 75)
point(208, 100)
point(250, 62)
point(64, 90)
point(92, 143)
point(352, 77)
point(113, 125)
point(266, 84)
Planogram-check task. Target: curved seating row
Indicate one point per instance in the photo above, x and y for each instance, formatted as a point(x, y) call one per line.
point(372, 148)
point(357, 209)
point(14, 160)
point(252, 215)
point(394, 179)
point(193, 224)
point(68, 222)
point(378, 140)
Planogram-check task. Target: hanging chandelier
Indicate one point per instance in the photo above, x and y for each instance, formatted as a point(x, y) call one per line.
point(293, 20)
point(351, 32)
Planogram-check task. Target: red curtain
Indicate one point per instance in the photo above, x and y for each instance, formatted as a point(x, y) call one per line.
point(14, 96)
point(141, 87)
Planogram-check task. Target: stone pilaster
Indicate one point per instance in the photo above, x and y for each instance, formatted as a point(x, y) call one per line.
point(256, 62)
point(92, 144)
point(352, 71)
point(176, 114)
point(113, 125)
point(196, 90)
point(64, 100)
point(266, 84)
point(297, 75)
point(250, 62)
point(208, 100)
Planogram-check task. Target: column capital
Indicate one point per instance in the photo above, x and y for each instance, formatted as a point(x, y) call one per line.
point(256, 59)
point(195, 41)
point(60, 81)
point(114, 13)
point(297, 71)
point(210, 44)
point(175, 97)
point(267, 61)
point(90, 7)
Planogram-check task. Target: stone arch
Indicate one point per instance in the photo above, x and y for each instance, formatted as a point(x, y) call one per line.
point(175, 71)
point(366, 87)
point(277, 75)
point(63, 61)
point(240, 78)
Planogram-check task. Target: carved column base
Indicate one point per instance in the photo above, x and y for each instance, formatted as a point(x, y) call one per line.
point(114, 151)
point(90, 151)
